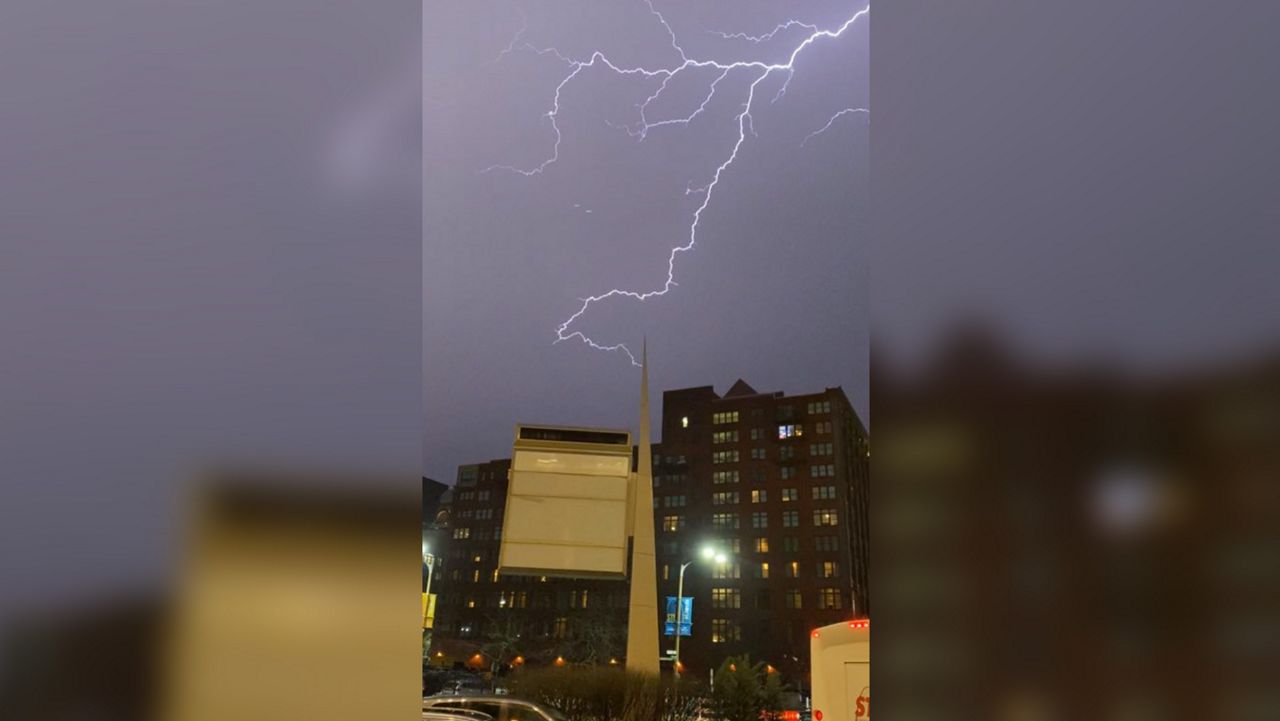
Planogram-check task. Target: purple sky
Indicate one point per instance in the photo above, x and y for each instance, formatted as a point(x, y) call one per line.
point(775, 290)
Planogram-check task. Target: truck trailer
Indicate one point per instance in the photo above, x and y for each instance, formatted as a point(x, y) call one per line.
point(840, 659)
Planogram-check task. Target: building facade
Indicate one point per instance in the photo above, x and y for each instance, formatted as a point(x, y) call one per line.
point(780, 485)
point(777, 483)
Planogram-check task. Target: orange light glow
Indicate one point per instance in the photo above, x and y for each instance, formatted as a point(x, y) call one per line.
point(560, 660)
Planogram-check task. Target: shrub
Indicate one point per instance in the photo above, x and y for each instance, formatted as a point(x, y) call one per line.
point(609, 694)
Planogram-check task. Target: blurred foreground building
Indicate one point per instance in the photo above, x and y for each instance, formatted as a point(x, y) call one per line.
point(778, 483)
point(1075, 543)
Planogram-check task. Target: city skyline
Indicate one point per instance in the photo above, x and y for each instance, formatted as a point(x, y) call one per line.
point(778, 484)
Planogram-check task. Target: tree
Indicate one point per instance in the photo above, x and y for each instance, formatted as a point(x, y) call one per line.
point(502, 641)
point(743, 690)
point(598, 637)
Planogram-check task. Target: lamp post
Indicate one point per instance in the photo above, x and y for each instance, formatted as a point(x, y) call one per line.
point(428, 560)
point(708, 553)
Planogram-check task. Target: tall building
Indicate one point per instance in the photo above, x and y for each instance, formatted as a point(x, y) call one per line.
point(781, 485)
point(778, 483)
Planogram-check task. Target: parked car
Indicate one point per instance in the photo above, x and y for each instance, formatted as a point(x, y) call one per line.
point(454, 714)
point(501, 708)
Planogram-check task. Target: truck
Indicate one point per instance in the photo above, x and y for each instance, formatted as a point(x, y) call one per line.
point(840, 659)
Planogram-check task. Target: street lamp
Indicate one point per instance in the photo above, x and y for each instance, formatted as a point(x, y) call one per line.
point(428, 560)
point(709, 554)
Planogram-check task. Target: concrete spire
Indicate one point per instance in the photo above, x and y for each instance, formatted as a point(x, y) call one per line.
point(642, 617)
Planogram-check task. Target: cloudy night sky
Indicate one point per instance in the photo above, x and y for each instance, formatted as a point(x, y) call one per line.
point(775, 290)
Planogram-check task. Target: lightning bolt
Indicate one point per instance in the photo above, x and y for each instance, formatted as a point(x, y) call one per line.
point(834, 118)
point(758, 69)
point(767, 36)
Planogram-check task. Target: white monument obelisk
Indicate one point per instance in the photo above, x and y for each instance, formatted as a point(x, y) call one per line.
point(642, 617)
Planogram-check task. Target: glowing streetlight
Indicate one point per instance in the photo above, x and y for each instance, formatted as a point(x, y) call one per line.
point(710, 554)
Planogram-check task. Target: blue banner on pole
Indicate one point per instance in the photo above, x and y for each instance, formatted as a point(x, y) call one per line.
point(686, 616)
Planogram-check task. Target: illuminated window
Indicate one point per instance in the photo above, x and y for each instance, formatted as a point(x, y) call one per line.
point(671, 524)
point(724, 477)
point(826, 517)
point(794, 599)
point(724, 520)
point(462, 533)
point(828, 569)
point(824, 493)
point(723, 630)
point(561, 627)
point(762, 545)
point(793, 569)
point(726, 598)
point(666, 572)
point(822, 471)
point(760, 519)
point(830, 598)
point(684, 421)
point(759, 495)
point(471, 602)
point(724, 497)
point(722, 418)
point(724, 437)
point(725, 456)
point(723, 571)
point(790, 430)
point(762, 570)
point(790, 519)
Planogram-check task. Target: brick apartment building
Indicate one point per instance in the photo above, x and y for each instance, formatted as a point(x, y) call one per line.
point(778, 483)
